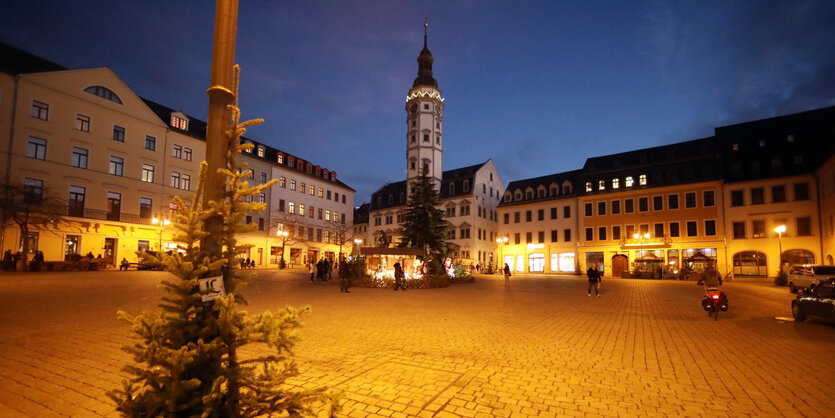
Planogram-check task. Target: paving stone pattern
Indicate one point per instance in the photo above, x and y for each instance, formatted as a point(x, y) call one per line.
point(541, 348)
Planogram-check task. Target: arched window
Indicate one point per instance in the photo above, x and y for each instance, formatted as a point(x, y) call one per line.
point(750, 263)
point(795, 257)
point(104, 93)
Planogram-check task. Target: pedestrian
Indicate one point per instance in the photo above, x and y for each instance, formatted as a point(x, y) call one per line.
point(312, 267)
point(124, 264)
point(506, 275)
point(344, 280)
point(246, 263)
point(594, 279)
point(37, 261)
point(399, 277)
point(8, 261)
point(330, 267)
point(243, 261)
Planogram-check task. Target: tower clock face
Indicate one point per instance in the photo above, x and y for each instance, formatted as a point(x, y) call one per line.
point(413, 108)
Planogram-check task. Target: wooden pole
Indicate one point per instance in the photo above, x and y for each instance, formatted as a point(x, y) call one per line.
point(220, 97)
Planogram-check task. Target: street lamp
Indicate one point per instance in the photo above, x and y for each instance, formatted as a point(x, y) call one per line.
point(163, 223)
point(779, 230)
point(499, 242)
point(283, 235)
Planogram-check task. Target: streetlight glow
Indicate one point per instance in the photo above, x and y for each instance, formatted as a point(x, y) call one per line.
point(780, 229)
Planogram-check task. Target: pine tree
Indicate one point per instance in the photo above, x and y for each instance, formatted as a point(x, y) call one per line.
point(188, 359)
point(424, 225)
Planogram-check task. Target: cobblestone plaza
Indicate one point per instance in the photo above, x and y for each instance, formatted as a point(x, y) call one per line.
point(542, 348)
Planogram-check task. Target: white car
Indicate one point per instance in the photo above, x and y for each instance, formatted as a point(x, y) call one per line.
point(809, 275)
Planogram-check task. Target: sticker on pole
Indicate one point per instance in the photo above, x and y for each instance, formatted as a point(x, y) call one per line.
point(211, 288)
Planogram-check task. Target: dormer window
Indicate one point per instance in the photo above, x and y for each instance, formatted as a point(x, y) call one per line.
point(601, 185)
point(260, 150)
point(643, 179)
point(179, 122)
point(466, 186)
point(280, 158)
point(588, 186)
point(104, 93)
point(452, 188)
point(615, 183)
point(629, 181)
point(290, 161)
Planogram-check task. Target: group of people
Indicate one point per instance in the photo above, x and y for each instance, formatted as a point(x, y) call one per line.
point(248, 263)
point(10, 260)
point(321, 271)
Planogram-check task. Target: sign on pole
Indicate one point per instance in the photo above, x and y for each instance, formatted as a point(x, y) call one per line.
point(211, 288)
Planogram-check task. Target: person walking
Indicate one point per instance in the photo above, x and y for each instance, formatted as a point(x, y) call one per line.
point(344, 280)
point(594, 279)
point(399, 277)
point(506, 275)
point(312, 268)
point(8, 261)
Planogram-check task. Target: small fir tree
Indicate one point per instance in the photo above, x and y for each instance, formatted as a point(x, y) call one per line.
point(188, 359)
point(424, 225)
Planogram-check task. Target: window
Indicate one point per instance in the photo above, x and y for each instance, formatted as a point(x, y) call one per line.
point(601, 233)
point(506, 218)
point(528, 237)
point(528, 216)
point(601, 208)
point(588, 209)
point(114, 204)
point(321, 192)
point(778, 194)
point(553, 213)
point(674, 230)
point(388, 218)
point(658, 230)
point(739, 230)
point(541, 236)
point(616, 232)
point(116, 165)
point(465, 211)
point(82, 123)
point(601, 185)
point(293, 185)
point(629, 181)
point(177, 151)
point(76, 201)
point(658, 203)
point(804, 226)
point(801, 191)
point(118, 133)
point(147, 173)
point(757, 196)
point(36, 148)
point(104, 93)
point(150, 143)
point(292, 207)
point(32, 190)
point(425, 137)
point(179, 123)
point(451, 233)
point(737, 198)
point(186, 183)
point(312, 190)
point(708, 198)
point(540, 215)
point(642, 179)
point(175, 179)
point(690, 200)
point(260, 224)
point(588, 186)
point(758, 228)
point(672, 201)
point(40, 110)
point(615, 183)
point(710, 228)
point(628, 205)
point(589, 234)
point(260, 151)
point(79, 157)
point(466, 186)
point(692, 229)
point(566, 212)
point(643, 204)
point(465, 233)
point(567, 235)
point(145, 207)
point(281, 205)
point(630, 231)
point(554, 235)
point(615, 207)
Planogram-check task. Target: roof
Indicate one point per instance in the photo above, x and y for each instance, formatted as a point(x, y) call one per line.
point(398, 189)
point(544, 181)
point(361, 214)
point(17, 61)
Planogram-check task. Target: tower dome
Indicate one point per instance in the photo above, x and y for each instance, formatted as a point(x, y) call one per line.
point(424, 77)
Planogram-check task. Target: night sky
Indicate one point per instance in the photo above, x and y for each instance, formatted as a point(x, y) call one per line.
point(538, 86)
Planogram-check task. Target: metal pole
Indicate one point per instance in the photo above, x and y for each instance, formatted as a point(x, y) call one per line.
point(780, 251)
point(220, 96)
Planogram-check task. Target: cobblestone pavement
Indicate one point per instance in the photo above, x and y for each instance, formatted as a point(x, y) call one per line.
point(541, 348)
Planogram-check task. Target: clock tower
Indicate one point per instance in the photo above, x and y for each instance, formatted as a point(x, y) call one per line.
point(424, 123)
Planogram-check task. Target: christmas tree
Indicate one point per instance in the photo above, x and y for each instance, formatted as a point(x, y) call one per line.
point(424, 225)
point(188, 358)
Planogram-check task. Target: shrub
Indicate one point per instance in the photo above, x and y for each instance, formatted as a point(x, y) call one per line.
point(781, 279)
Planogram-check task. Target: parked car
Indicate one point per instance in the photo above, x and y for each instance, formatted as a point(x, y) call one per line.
point(809, 275)
point(817, 302)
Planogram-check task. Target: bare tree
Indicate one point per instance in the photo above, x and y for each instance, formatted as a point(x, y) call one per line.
point(28, 206)
point(341, 233)
point(293, 225)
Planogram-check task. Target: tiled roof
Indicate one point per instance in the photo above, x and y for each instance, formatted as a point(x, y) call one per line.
point(17, 61)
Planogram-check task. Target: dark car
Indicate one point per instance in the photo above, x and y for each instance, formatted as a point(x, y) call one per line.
point(818, 302)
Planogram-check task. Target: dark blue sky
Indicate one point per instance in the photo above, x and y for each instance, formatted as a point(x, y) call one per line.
point(538, 86)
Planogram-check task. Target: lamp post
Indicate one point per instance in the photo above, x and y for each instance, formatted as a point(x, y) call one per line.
point(283, 235)
point(162, 224)
point(499, 242)
point(779, 230)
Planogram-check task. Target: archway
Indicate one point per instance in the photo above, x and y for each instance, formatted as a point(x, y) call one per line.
point(620, 263)
point(829, 260)
point(750, 263)
point(796, 257)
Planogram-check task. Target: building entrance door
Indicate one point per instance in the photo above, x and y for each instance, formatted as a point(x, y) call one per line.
point(109, 251)
point(620, 263)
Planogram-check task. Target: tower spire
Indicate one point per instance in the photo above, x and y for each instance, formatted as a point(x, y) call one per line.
point(424, 60)
point(425, 29)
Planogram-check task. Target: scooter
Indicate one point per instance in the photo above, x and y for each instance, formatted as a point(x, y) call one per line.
point(714, 302)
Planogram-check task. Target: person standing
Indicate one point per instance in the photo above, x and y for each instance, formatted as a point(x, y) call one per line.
point(8, 261)
point(594, 279)
point(399, 277)
point(506, 275)
point(344, 280)
point(312, 267)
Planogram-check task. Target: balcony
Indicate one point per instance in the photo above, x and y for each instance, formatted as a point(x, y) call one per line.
point(103, 215)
